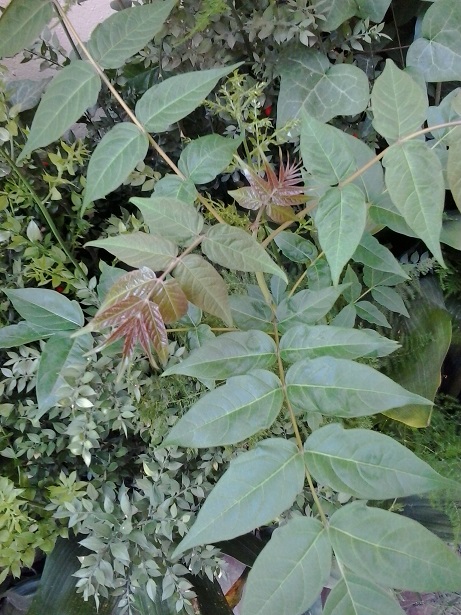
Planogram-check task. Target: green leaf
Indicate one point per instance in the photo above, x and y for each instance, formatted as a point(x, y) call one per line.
point(390, 299)
point(296, 248)
point(250, 313)
point(331, 156)
point(143, 605)
point(340, 218)
point(399, 104)
point(231, 413)
point(203, 286)
point(60, 353)
point(230, 354)
point(298, 557)
point(176, 220)
point(258, 486)
point(114, 158)
point(46, 308)
point(21, 23)
point(346, 317)
point(437, 53)
point(376, 256)
point(125, 33)
point(57, 592)
point(367, 464)
point(173, 99)
point(70, 93)
point(415, 182)
point(304, 341)
point(336, 12)
point(339, 387)
point(22, 333)
point(109, 276)
point(205, 157)
point(139, 249)
point(392, 550)
point(451, 231)
point(354, 291)
point(425, 338)
point(310, 83)
point(369, 312)
point(454, 166)
point(235, 249)
point(307, 307)
point(176, 188)
point(354, 595)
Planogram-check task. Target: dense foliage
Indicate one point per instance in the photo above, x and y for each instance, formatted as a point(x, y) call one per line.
point(227, 366)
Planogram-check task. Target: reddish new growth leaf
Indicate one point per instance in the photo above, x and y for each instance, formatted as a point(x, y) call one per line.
point(137, 308)
point(274, 194)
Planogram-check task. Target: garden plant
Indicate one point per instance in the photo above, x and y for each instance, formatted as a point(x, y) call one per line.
point(202, 300)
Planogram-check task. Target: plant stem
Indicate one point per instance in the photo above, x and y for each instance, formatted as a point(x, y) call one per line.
point(43, 210)
point(125, 107)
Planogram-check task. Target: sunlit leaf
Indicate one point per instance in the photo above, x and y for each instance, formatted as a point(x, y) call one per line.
point(394, 551)
point(21, 23)
point(229, 354)
point(305, 341)
point(258, 486)
point(339, 387)
point(171, 218)
point(114, 158)
point(126, 32)
point(46, 308)
point(173, 99)
point(233, 412)
point(139, 249)
point(67, 97)
point(367, 464)
point(235, 249)
point(203, 286)
point(291, 570)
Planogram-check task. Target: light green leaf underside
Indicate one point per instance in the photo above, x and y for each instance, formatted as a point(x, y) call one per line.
point(354, 595)
point(176, 188)
point(331, 156)
point(233, 412)
point(339, 387)
point(393, 550)
point(173, 219)
point(415, 182)
point(67, 97)
point(21, 23)
point(60, 353)
point(114, 158)
point(258, 486)
point(171, 100)
point(22, 333)
point(296, 248)
point(399, 104)
point(298, 556)
point(307, 306)
point(46, 308)
point(205, 157)
point(437, 54)
point(203, 286)
point(336, 12)
point(139, 249)
point(310, 83)
point(454, 166)
point(376, 256)
point(250, 313)
point(305, 341)
point(451, 231)
point(230, 354)
point(125, 33)
point(367, 464)
point(340, 218)
point(235, 249)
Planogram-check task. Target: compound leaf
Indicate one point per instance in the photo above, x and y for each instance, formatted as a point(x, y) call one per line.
point(307, 306)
